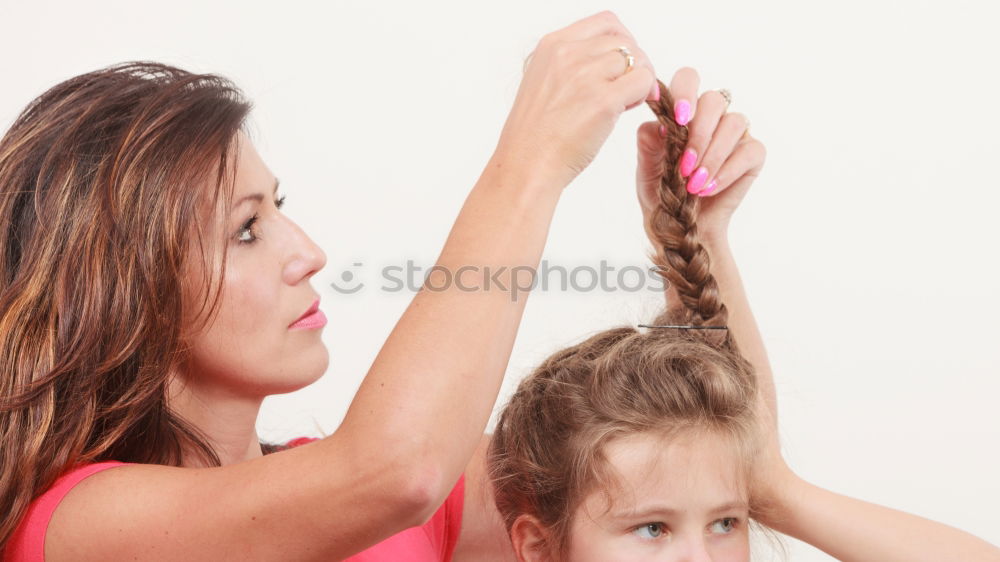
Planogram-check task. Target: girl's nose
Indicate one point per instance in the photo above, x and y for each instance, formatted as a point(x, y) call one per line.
point(695, 550)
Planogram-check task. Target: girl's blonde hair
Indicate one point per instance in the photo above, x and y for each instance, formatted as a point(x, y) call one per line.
point(547, 452)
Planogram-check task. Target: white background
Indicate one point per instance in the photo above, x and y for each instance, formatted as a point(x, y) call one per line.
point(867, 246)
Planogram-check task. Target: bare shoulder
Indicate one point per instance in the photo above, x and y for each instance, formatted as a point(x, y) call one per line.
point(99, 505)
point(301, 504)
point(129, 502)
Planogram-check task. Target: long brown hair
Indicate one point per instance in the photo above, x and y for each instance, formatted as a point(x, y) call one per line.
point(102, 197)
point(546, 455)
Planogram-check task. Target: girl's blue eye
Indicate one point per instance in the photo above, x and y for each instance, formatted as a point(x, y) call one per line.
point(727, 524)
point(650, 531)
point(246, 235)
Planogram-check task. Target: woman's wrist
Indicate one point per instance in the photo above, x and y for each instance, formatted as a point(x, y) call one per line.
point(714, 238)
point(780, 493)
point(531, 168)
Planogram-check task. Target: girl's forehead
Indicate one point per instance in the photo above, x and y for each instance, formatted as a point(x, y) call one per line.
point(691, 471)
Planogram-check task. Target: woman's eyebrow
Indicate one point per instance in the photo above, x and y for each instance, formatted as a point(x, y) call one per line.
point(258, 197)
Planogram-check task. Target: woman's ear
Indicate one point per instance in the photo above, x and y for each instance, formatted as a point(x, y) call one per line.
point(529, 539)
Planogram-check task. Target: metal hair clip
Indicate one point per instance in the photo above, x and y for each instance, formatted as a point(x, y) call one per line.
point(686, 327)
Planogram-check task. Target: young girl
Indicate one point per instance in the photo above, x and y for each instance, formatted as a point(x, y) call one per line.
point(661, 443)
point(152, 294)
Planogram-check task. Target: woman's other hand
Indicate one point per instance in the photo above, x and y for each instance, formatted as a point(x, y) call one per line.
point(573, 90)
point(721, 159)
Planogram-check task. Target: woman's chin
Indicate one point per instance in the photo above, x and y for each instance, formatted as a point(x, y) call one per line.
point(309, 368)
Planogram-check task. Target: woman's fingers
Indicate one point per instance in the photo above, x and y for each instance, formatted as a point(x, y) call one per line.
point(711, 106)
point(613, 62)
point(632, 88)
point(742, 166)
point(601, 25)
point(727, 134)
point(606, 33)
point(684, 87)
point(574, 89)
point(642, 60)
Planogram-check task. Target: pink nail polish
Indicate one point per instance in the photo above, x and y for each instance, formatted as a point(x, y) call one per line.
point(697, 180)
point(682, 112)
point(663, 131)
point(688, 160)
point(709, 189)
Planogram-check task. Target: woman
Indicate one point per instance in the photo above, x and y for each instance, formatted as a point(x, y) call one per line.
point(662, 444)
point(153, 295)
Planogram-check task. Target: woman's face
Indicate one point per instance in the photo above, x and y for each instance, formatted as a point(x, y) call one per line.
point(252, 348)
point(682, 501)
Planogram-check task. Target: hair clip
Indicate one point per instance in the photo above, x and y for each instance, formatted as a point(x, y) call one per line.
point(686, 327)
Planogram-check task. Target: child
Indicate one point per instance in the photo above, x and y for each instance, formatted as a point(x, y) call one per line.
point(662, 443)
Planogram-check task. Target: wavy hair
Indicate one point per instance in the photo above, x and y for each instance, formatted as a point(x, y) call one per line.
point(102, 205)
point(546, 455)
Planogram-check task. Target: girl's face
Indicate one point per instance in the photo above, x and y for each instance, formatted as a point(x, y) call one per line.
point(251, 348)
point(682, 501)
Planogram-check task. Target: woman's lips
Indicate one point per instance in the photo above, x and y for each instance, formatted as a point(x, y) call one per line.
point(315, 320)
point(312, 318)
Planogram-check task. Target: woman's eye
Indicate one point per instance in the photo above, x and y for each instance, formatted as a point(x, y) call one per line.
point(726, 524)
point(246, 235)
point(651, 530)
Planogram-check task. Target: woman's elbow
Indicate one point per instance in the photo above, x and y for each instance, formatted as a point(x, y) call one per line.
point(422, 488)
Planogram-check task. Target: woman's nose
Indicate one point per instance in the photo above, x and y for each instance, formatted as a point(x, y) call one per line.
point(305, 258)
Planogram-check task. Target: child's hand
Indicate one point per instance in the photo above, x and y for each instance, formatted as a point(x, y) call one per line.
point(720, 161)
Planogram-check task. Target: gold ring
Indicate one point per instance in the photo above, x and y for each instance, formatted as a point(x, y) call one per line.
point(629, 59)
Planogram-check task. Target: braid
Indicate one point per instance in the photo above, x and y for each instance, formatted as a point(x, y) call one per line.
point(547, 453)
point(680, 258)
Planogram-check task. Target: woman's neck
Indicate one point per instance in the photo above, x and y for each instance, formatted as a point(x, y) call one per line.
point(228, 420)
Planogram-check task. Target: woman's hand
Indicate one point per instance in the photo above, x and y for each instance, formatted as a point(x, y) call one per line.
point(573, 91)
point(721, 159)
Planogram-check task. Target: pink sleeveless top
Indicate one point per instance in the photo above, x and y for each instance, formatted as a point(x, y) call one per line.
point(432, 541)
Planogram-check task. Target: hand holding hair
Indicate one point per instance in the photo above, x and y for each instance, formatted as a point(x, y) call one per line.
point(576, 83)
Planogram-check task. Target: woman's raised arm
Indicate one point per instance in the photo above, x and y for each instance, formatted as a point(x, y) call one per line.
point(421, 410)
point(432, 387)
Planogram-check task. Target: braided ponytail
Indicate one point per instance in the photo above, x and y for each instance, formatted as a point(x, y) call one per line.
point(547, 451)
point(680, 258)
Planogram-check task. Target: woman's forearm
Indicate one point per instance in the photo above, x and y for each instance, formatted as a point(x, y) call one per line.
point(853, 530)
point(846, 528)
point(429, 393)
point(742, 324)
